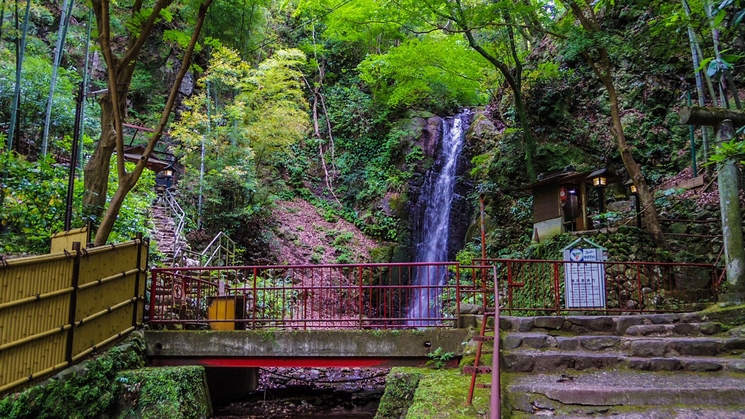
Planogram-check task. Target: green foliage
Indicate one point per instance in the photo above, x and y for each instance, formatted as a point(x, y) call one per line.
point(35, 81)
point(728, 151)
point(439, 358)
point(271, 296)
point(34, 204)
point(82, 392)
point(400, 386)
point(260, 124)
point(165, 392)
point(132, 217)
point(240, 25)
point(436, 73)
point(438, 389)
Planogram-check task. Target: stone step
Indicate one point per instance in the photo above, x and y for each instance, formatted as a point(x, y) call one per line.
point(628, 345)
point(672, 324)
point(624, 394)
point(552, 361)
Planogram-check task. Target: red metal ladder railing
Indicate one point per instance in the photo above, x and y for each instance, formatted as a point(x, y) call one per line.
point(476, 369)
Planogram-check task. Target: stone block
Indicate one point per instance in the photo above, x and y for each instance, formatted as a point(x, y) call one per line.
point(691, 318)
point(664, 364)
point(598, 362)
point(523, 324)
point(650, 330)
point(567, 344)
point(536, 340)
point(506, 323)
point(648, 348)
point(598, 343)
point(696, 365)
point(551, 323)
point(511, 341)
point(517, 362)
point(695, 347)
point(602, 324)
point(737, 367)
point(710, 328)
point(553, 362)
point(734, 344)
point(685, 329)
point(624, 322)
point(580, 321)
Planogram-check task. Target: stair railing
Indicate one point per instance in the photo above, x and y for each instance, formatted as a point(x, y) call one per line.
point(179, 216)
point(221, 250)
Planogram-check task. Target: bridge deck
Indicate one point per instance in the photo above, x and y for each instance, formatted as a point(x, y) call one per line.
point(317, 348)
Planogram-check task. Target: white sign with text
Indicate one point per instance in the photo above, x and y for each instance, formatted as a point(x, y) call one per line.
point(584, 278)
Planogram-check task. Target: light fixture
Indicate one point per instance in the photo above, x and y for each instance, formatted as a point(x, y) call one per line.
point(599, 178)
point(634, 192)
point(168, 172)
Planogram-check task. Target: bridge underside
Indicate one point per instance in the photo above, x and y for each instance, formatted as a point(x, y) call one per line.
point(302, 348)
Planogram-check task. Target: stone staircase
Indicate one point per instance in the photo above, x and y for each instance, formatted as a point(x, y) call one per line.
point(636, 366)
point(166, 234)
point(656, 342)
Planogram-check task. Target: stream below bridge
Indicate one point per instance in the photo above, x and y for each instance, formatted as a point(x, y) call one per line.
point(308, 393)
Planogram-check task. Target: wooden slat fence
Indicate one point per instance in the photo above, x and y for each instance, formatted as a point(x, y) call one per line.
point(56, 309)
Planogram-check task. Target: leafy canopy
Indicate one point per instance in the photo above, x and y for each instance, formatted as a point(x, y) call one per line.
point(436, 72)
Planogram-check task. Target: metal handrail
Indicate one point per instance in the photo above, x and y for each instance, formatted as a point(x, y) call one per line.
point(180, 216)
point(223, 248)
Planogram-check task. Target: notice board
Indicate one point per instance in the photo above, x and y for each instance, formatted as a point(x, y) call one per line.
point(584, 275)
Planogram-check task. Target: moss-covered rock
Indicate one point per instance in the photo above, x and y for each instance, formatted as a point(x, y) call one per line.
point(114, 385)
point(400, 386)
point(87, 390)
point(163, 393)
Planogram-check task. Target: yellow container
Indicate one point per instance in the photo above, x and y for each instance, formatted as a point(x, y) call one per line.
point(226, 307)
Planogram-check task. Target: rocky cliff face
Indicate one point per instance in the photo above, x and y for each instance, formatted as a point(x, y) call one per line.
point(427, 134)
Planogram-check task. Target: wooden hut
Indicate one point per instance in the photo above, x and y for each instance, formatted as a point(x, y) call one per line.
point(560, 200)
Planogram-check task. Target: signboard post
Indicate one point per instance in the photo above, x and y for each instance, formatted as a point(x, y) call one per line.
point(584, 275)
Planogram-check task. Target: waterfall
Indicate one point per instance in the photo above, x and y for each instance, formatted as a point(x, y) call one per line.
point(433, 234)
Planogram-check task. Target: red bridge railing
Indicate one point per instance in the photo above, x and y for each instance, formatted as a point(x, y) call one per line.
point(375, 296)
point(385, 296)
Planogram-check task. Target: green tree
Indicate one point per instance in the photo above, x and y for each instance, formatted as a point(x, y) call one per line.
point(265, 116)
point(436, 72)
point(120, 69)
point(591, 40)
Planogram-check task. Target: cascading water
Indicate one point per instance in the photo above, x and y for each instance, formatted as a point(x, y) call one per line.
point(437, 192)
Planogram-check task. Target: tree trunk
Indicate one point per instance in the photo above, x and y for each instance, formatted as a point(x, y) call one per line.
point(643, 192)
point(96, 172)
point(602, 69)
point(127, 181)
point(515, 84)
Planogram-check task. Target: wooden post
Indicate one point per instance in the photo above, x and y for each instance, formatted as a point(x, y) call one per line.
point(725, 121)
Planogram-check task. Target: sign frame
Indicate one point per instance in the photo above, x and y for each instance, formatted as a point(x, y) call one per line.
point(584, 275)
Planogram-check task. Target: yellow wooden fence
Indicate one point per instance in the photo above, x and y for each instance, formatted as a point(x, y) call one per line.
point(56, 309)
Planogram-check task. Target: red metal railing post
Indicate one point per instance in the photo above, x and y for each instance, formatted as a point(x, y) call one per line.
point(360, 294)
point(254, 309)
point(557, 294)
point(153, 288)
point(510, 281)
point(457, 295)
